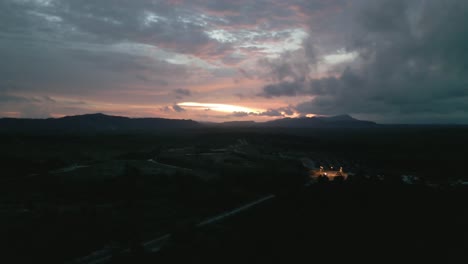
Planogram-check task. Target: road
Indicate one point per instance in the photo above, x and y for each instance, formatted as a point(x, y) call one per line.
point(235, 211)
point(167, 165)
point(68, 169)
point(154, 245)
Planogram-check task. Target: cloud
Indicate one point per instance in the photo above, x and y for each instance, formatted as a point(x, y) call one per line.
point(178, 108)
point(240, 95)
point(285, 88)
point(289, 110)
point(165, 109)
point(173, 108)
point(291, 66)
point(239, 114)
point(271, 112)
point(183, 92)
point(412, 62)
point(7, 98)
point(40, 68)
point(245, 74)
point(389, 60)
point(38, 106)
point(278, 112)
point(154, 23)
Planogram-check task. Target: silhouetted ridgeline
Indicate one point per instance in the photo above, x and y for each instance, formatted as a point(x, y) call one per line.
point(339, 121)
point(93, 123)
point(306, 122)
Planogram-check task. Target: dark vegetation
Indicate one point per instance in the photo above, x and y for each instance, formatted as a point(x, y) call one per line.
point(52, 217)
point(333, 223)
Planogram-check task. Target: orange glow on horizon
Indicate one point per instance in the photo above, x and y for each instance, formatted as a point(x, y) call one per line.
point(11, 114)
point(226, 108)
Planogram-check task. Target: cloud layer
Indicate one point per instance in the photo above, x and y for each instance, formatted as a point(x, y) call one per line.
point(384, 60)
point(412, 65)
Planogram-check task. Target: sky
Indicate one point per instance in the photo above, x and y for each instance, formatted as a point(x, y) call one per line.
point(389, 61)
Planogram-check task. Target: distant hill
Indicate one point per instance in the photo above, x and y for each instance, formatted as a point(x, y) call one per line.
point(338, 121)
point(345, 121)
point(91, 123)
point(237, 124)
point(101, 123)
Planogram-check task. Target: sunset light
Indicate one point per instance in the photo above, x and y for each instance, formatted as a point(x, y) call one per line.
point(226, 108)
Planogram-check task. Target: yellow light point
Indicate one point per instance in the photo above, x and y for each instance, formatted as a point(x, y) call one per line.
point(227, 108)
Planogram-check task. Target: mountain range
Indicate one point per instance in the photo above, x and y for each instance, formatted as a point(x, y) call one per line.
point(94, 123)
point(106, 123)
point(311, 122)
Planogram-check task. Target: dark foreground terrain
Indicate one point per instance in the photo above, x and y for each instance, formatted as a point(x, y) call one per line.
point(371, 224)
point(65, 196)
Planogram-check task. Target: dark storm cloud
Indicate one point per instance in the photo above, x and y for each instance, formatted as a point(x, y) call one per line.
point(413, 63)
point(284, 88)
